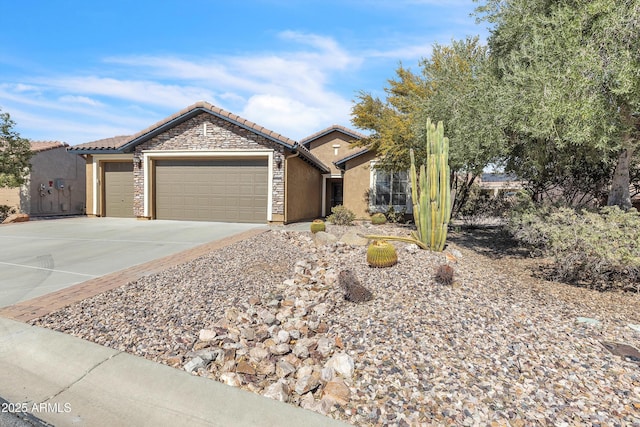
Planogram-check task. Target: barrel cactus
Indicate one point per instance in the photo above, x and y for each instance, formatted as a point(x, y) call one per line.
point(378, 218)
point(317, 225)
point(381, 254)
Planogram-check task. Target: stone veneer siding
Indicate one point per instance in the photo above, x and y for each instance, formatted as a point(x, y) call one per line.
point(221, 135)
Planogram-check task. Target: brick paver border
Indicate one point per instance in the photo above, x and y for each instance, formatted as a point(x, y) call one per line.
point(45, 304)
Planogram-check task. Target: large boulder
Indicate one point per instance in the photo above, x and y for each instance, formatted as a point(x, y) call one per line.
point(16, 218)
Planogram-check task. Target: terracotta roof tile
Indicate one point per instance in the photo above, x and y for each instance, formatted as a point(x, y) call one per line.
point(101, 144)
point(39, 146)
point(338, 128)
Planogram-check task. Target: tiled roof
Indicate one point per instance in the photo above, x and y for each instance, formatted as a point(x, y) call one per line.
point(184, 114)
point(101, 144)
point(126, 143)
point(344, 160)
point(335, 128)
point(39, 146)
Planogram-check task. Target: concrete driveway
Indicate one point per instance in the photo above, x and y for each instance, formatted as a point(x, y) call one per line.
point(40, 257)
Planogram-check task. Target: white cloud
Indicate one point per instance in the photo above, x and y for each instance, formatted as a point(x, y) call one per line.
point(83, 100)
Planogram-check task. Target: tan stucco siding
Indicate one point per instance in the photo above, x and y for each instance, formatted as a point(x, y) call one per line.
point(10, 197)
point(357, 183)
point(303, 191)
point(332, 147)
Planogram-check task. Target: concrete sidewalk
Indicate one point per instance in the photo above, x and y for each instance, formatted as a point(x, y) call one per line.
point(67, 381)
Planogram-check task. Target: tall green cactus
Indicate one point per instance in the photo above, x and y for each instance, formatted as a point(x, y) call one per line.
point(430, 193)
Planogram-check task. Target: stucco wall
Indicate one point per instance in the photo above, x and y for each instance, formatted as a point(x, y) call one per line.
point(47, 168)
point(303, 190)
point(10, 197)
point(357, 183)
point(220, 135)
point(323, 149)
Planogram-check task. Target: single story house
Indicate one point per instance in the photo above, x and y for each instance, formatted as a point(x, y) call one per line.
point(55, 185)
point(354, 182)
point(203, 163)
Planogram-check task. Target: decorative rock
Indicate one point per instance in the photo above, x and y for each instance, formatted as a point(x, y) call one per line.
point(324, 346)
point(20, 217)
point(307, 383)
point(587, 320)
point(322, 238)
point(244, 367)
point(342, 364)
point(278, 391)
point(352, 238)
point(266, 367)
point(207, 335)
point(634, 327)
point(283, 336)
point(337, 391)
point(258, 353)
point(301, 351)
point(280, 349)
point(231, 378)
point(284, 369)
point(194, 364)
point(267, 317)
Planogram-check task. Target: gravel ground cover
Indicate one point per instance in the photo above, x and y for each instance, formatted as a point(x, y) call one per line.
point(500, 346)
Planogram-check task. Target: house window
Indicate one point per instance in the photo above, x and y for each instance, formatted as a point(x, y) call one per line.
point(390, 189)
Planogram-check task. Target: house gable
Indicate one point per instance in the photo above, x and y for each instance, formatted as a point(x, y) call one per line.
point(332, 144)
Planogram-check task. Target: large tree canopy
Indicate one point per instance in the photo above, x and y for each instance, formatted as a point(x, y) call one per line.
point(452, 87)
point(15, 153)
point(569, 84)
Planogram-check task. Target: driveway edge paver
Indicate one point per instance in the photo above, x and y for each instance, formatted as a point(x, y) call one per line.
point(43, 305)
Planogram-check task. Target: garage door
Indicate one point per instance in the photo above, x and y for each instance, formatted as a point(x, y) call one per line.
point(118, 189)
point(211, 190)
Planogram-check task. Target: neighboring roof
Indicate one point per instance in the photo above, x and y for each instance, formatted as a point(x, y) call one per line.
point(126, 144)
point(40, 146)
point(340, 163)
point(335, 128)
point(497, 177)
point(112, 143)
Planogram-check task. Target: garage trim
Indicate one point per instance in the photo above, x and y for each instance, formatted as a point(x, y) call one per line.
point(149, 156)
point(98, 172)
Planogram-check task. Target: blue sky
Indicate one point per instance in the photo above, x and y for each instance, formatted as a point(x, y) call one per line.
point(78, 71)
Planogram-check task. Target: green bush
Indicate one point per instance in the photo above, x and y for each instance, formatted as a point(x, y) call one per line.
point(5, 211)
point(600, 250)
point(481, 207)
point(341, 216)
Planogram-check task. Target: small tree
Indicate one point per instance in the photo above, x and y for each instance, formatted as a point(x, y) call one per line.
point(15, 153)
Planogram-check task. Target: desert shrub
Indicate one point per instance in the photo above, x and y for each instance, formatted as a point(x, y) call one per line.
point(5, 211)
point(599, 249)
point(341, 216)
point(396, 217)
point(480, 208)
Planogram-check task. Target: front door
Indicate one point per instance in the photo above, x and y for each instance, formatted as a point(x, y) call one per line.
point(336, 193)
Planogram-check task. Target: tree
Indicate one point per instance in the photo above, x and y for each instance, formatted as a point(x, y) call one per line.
point(568, 84)
point(15, 153)
point(452, 87)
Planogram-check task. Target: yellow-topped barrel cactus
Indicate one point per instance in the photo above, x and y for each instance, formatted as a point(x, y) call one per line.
point(317, 225)
point(381, 254)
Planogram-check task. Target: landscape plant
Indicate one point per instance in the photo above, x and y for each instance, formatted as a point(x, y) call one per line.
point(597, 249)
point(340, 215)
point(430, 192)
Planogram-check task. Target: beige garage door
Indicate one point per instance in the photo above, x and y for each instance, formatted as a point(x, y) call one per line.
point(211, 190)
point(118, 189)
